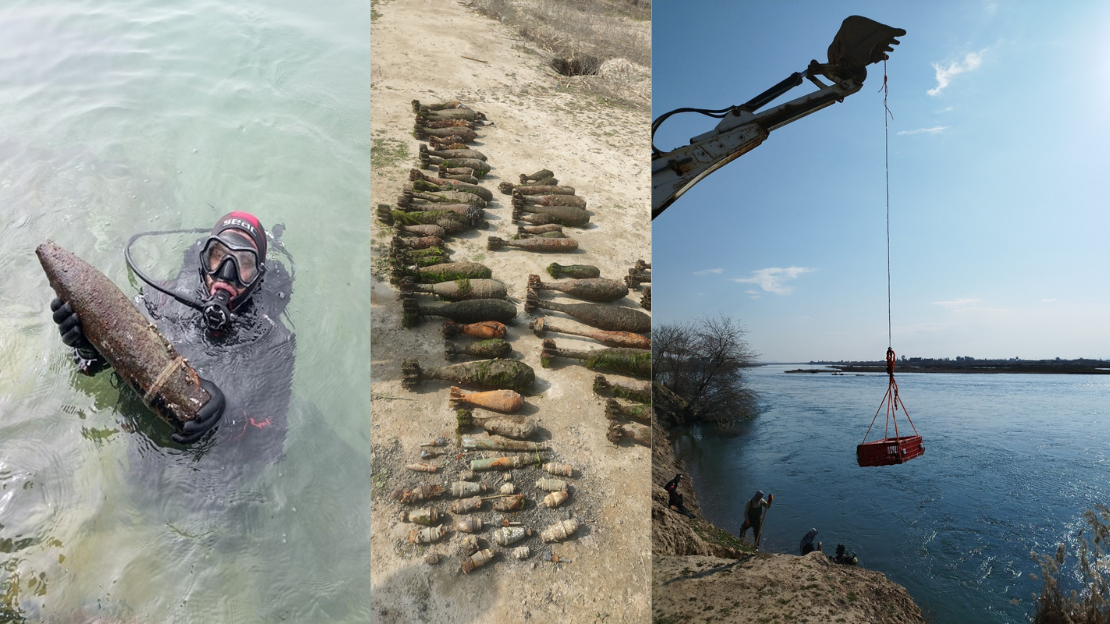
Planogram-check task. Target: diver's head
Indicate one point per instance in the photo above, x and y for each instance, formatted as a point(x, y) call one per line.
point(233, 259)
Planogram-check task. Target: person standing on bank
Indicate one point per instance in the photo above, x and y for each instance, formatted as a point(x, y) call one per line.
point(753, 512)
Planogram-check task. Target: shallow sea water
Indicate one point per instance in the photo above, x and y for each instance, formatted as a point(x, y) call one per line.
point(143, 115)
point(1011, 462)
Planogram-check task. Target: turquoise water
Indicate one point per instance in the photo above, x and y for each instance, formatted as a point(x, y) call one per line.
point(122, 117)
point(1011, 462)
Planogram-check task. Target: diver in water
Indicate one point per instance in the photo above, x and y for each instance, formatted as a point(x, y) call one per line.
point(229, 329)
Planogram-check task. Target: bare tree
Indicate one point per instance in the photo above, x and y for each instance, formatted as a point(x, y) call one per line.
point(702, 361)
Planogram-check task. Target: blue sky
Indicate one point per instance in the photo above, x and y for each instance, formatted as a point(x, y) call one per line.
point(999, 161)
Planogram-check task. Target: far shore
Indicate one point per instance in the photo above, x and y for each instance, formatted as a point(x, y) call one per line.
point(966, 365)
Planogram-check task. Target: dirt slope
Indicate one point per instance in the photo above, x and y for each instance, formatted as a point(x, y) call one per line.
point(418, 49)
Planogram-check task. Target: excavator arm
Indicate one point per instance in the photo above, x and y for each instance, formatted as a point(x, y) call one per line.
point(858, 43)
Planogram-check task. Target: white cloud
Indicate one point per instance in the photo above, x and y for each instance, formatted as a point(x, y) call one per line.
point(755, 294)
point(957, 303)
point(1048, 300)
point(933, 130)
point(708, 271)
point(944, 74)
point(771, 280)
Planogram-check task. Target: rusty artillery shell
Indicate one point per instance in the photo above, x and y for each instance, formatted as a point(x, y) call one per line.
point(508, 488)
point(474, 444)
point(577, 271)
point(541, 182)
point(613, 409)
point(546, 190)
point(484, 349)
point(609, 338)
point(480, 167)
point(462, 174)
point(449, 222)
point(453, 113)
point(560, 245)
point(145, 360)
point(590, 289)
point(464, 489)
point(564, 215)
point(469, 311)
point(445, 123)
point(422, 190)
point(563, 470)
point(424, 231)
point(556, 498)
point(422, 467)
point(427, 516)
point(507, 536)
point(469, 525)
point(633, 431)
point(559, 531)
point(551, 485)
point(421, 242)
point(465, 135)
point(516, 427)
point(428, 535)
point(570, 201)
point(520, 236)
point(637, 277)
point(441, 184)
point(492, 374)
point(505, 401)
point(468, 545)
point(458, 290)
point(454, 154)
point(416, 494)
point(613, 318)
point(477, 560)
point(635, 362)
point(447, 143)
point(522, 552)
point(446, 272)
point(496, 463)
point(645, 302)
point(539, 229)
point(485, 329)
point(407, 258)
point(631, 390)
point(417, 106)
point(536, 219)
point(466, 505)
point(509, 503)
point(539, 175)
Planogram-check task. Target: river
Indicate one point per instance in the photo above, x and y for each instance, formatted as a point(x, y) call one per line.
point(1011, 462)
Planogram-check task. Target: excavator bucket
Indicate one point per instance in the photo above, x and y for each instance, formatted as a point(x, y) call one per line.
point(859, 43)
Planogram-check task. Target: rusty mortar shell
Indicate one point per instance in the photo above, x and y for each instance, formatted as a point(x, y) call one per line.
point(459, 290)
point(508, 488)
point(426, 454)
point(633, 431)
point(555, 499)
point(635, 362)
point(577, 271)
point(416, 494)
point(539, 229)
point(461, 177)
point(450, 221)
point(485, 349)
point(571, 201)
point(551, 485)
point(520, 236)
point(535, 219)
point(447, 143)
point(632, 390)
point(466, 505)
point(505, 401)
point(645, 302)
point(445, 272)
point(558, 245)
point(427, 516)
point(514, 502)
point(464, 135)
point(422, 231)
point(484, 329)
point(417, 106)
point(542, 182)
point(421, 242)
point(432, 558)
point(454, 154)
point(454, 113)
point(428, 535)
point(480, 167)
point(614, 409)
point(435, 185)
point(468, 545)
point(516, 427)
point(546, 189)
point(474, 444)
point(469, 525)
point(635, 278)
point(440, 441)
point(428, 122)
point(465, 489)
point(507, 536)
point(405, 257)
point(434, 194)
point(610, 338)
point(469, 311)
point(591, 288)
point(564, 215)
point(422, 467)
point(466, 475)
point(492, 374)
point(562, 470)
point(539, 175)
point(602, 316)
point(496, 463)
point(559, 531)
point(477, 560)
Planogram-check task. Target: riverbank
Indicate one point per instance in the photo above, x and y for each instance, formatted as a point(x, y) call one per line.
point(701, 573)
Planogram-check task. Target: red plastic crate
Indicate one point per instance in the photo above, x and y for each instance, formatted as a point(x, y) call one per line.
point(889, 451)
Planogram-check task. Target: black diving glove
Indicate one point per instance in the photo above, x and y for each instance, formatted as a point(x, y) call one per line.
point(88, 359)
point(207, 417)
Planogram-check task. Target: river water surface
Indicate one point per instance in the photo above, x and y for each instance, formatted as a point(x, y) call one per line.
point(1011, 462)
point(136, 115)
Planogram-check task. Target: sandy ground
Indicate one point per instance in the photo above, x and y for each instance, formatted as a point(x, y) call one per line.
point(600, 150)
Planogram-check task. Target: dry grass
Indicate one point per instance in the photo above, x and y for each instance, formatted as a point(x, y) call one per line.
point(609, 38)
point(1091, 605)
